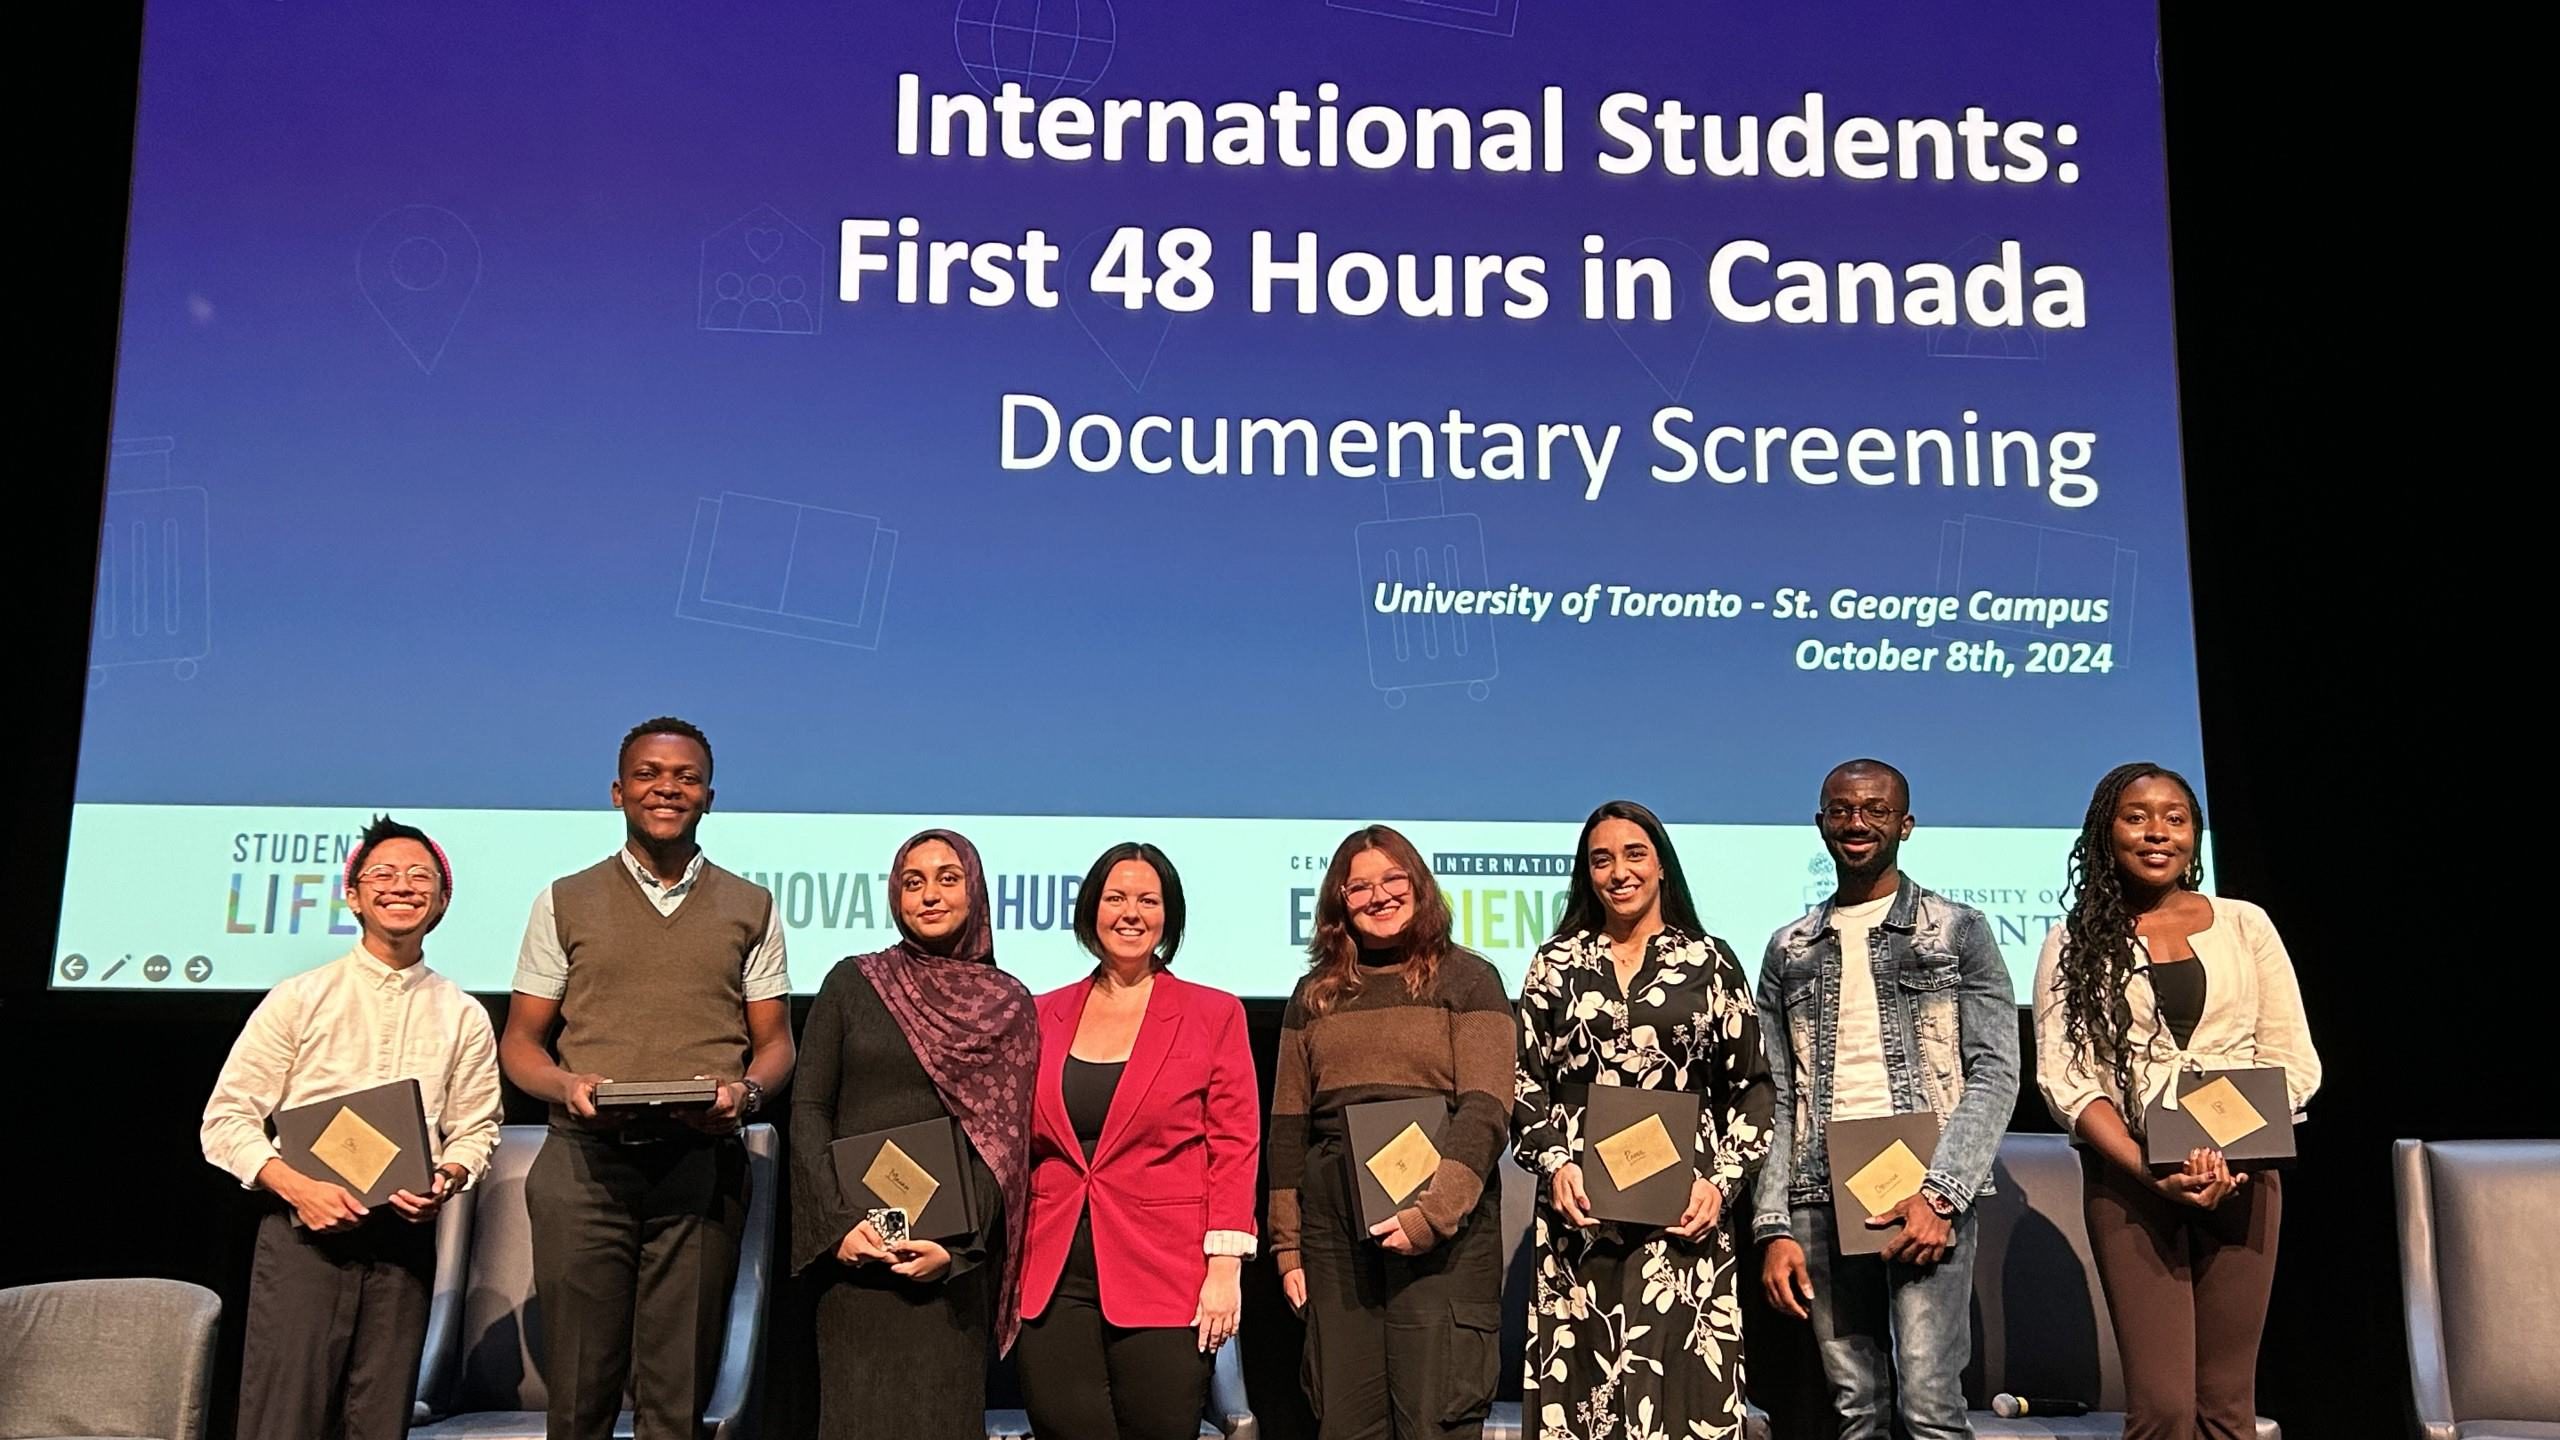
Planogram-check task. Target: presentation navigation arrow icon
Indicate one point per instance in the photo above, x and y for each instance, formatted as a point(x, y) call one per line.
point(75, 967)
point(199, 969)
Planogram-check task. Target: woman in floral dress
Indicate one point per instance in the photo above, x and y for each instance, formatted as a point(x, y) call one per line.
point(1636, 1333)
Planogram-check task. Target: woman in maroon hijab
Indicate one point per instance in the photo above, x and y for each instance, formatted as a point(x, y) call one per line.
point(925, 1030)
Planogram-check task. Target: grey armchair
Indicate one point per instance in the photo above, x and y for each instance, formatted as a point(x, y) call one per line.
point(106, 1357)
point(2480, 1286)
point(490, 1387)
point(444, 1302)
point(1225, 1417)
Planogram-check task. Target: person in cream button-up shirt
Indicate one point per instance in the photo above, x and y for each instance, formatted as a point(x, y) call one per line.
point(338, 1294)
point(2145, 977)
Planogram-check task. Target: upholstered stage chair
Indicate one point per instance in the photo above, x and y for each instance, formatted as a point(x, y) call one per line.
point(127, 1358)
point(2480, 1286)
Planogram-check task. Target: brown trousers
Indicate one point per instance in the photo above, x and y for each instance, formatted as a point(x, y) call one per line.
point(2187, 1290)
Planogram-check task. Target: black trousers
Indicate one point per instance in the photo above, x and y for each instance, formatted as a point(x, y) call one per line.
point(1084, 1378)
point(335, 1326)
point(1398, 1348)
point(634, 1249)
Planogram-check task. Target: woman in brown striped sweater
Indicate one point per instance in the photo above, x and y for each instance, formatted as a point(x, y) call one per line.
point(1403, 1321)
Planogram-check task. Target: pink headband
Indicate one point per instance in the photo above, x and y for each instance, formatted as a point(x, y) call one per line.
point(443, 865)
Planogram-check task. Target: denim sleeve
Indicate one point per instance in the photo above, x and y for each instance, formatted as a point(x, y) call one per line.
point(1987, 1009)
point(1771, 1214)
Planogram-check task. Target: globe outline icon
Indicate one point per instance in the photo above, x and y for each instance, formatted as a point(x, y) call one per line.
point(1048, 47)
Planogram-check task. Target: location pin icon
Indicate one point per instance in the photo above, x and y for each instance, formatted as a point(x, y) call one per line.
point(1130, 339)
point(417, 267)
point(1667, 349)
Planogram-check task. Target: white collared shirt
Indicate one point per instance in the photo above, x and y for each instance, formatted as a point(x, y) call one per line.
point(349, 1025)
point(542, 969)
point(661, 894)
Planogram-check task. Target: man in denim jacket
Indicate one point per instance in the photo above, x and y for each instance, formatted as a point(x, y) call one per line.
point(1889, 999)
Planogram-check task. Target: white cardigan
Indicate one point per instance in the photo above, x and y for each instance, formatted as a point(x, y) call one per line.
point(2252, 1016)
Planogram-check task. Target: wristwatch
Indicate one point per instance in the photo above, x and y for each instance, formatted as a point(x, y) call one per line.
point(1945, 1208)
point(755, 1097)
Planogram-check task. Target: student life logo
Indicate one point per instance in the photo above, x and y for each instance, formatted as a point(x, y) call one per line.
point(290, 883)
point(281, 883)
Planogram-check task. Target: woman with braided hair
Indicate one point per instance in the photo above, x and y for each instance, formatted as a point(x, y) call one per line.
point(2146, 976)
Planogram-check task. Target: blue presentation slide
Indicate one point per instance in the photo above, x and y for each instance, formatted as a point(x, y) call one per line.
point(1086, 420)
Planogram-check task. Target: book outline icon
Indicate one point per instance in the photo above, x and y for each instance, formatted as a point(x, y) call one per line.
point(2017, 557)
point(1485, 17)
point(805, 572)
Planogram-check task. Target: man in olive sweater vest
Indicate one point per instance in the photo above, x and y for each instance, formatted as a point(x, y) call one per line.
point(652, 965)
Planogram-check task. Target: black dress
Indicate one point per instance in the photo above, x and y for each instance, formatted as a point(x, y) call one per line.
point(1634, 1333)
point(897, 1360)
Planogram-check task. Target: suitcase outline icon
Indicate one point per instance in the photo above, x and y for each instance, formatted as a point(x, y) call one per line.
point(1418, 543)
point(153, 600)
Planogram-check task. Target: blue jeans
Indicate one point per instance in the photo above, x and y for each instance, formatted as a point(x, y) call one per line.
point(1891, 1332)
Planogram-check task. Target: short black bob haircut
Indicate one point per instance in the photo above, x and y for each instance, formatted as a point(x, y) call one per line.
point(664, 725)
point(1089, 898)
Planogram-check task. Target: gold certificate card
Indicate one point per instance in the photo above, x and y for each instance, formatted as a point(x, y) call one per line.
point(1887, 1180)
point(1405, 1162)
point(898, 1180)
point(357, 1151)
point(1638, 1153)
point(2222, 1112)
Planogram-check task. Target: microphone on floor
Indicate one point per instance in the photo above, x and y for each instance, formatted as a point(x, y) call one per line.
point(2016, 1407)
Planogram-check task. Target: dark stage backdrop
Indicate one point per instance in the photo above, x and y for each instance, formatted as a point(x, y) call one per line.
point(2317, 503)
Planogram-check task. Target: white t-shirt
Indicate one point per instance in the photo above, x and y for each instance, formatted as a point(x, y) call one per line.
point(1860, 1087)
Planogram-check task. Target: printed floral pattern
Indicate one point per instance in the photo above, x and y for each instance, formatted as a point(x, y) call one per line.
point(1637, 1335)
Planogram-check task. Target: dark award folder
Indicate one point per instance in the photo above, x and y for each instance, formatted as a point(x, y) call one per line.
point(1639, 1153)
point(922, 1169)
point(628, 1094)
point(2246, 1114)
point(1394, 1149)
point(1875, 1165)
point(370, 1141)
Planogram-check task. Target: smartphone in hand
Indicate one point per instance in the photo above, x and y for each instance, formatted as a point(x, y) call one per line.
point(890, 1224)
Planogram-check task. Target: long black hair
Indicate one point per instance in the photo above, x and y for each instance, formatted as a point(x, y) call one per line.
point(2098, 953)
point(1583, 909)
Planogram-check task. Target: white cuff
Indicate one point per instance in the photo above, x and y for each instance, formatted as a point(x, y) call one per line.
point(1239, 1243)
point(249, 1159)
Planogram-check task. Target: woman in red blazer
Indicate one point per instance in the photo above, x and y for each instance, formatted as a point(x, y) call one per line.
point(1145, 1137)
